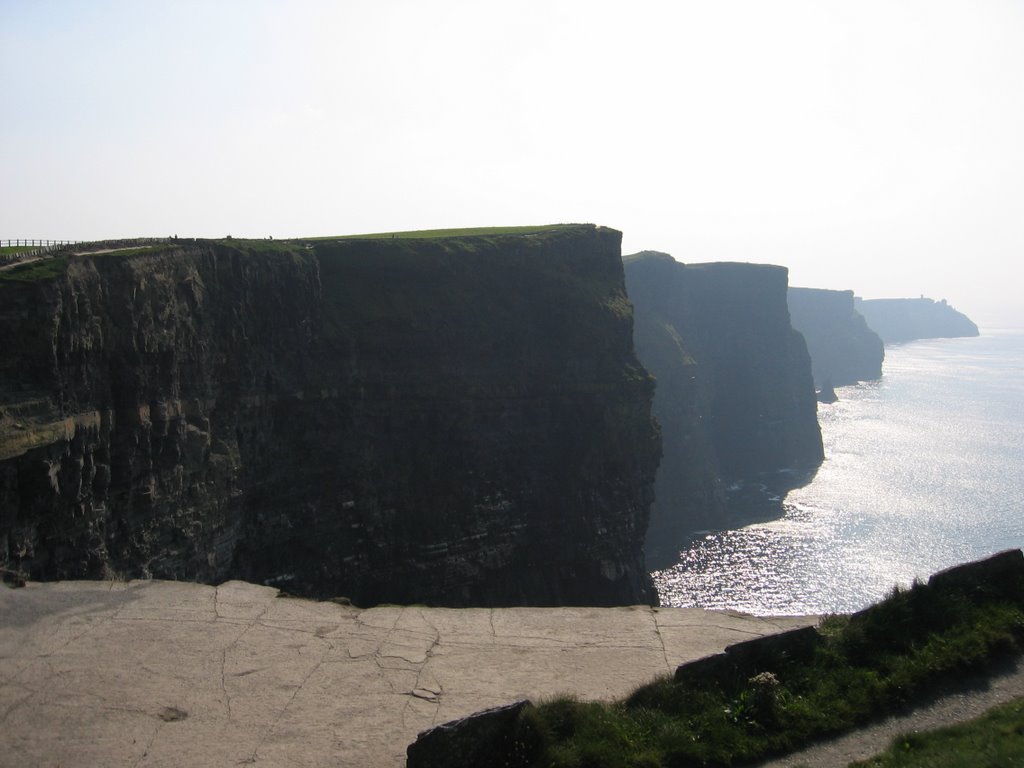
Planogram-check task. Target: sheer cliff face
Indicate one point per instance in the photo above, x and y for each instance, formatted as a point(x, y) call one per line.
point(454, 421)
point(734, 394)
point(843, 349)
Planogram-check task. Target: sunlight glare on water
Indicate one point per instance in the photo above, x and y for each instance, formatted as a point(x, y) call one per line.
point(923, 470)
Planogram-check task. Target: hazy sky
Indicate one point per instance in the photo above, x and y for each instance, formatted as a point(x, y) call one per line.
point(877, 146)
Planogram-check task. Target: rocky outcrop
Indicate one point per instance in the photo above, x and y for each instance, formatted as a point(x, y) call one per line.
point(450, 421)
point(900, 320)
point(843, 349)
point(734, 396)
point(746, 659)
point(473, 741)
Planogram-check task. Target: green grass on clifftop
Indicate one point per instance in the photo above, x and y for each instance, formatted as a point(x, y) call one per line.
point(863, 666)
point(420, 234)
point(33, 271)
point(994, 740)
point(468, 240)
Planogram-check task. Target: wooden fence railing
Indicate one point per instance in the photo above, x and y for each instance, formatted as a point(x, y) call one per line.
point(33, 243)
point(32, 249)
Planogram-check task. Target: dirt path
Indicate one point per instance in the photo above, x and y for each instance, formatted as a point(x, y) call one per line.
point(965, 702)
point(111, 250)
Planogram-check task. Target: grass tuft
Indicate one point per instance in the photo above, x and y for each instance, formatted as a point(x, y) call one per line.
point(865, 665)
point(990, 741)
point(33, 271)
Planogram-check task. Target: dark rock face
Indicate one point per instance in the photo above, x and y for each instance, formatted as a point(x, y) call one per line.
point(743, 660)
point(734, 395)
point(843, 349)
point(459, 421)
point(1001, 572)
point(483, 738)
point(827, 393)
point(899, 320)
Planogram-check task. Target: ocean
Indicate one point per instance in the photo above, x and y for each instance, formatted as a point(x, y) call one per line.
point(924, 469)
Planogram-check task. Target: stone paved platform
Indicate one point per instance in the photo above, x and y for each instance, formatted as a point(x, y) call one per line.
point(151, 673)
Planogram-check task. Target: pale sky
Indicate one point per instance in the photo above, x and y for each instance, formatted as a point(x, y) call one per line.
point(873, 146)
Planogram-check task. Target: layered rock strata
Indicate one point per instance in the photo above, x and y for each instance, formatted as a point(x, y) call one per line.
point(734, 395)
point(451, 421)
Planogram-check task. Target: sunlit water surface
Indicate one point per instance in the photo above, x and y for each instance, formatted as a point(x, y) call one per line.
point(923, 469)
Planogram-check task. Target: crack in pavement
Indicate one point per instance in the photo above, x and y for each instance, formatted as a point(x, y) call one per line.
point(280, 715)
point(91, 626)
point(419, 691)
point(425, 694)
point(33, 692)
point(216, 603)
point(17, 705)
point(661, 640)
point(231, 647)
point(250, 672)
point(223, 683)
point(379, 656)
point(320, 632)
point(149, 745)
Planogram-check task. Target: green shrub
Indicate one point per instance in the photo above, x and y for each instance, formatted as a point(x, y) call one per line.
point(867, 664)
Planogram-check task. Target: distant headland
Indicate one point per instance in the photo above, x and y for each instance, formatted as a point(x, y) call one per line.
point(901, 320)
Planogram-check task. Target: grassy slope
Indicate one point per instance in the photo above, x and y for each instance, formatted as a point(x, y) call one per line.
point(866, 665)
point(43, 269)
point(990, 741)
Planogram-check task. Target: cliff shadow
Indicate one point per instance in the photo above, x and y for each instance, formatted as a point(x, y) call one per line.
point(760, 500)
point(747, 502)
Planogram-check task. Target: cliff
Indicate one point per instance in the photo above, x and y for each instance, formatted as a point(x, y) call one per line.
point(734, 394)
point(899, 320)
point(843, 349)
point(453, 420)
